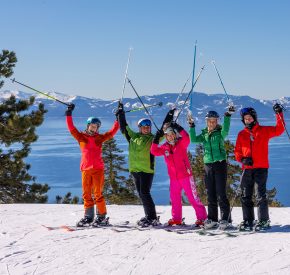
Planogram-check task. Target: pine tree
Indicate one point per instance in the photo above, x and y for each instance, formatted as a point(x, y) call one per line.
point(7, 63)
point(17, 132)
point(118, 189)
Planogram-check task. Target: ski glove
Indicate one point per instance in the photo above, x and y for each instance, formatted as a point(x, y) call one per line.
point(248, 161)
point(176, 126)
point(278, 108)
point(230, 111)
point(190, 120)
point(169, 117)
point(69, 109)
point(157, 136)
point(120, 110)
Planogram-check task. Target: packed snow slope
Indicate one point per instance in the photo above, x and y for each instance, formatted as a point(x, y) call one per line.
point(28, 247)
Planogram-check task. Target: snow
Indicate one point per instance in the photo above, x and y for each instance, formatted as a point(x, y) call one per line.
point(27, 247)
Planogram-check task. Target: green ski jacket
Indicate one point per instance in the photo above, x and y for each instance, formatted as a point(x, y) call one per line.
point(213, 143)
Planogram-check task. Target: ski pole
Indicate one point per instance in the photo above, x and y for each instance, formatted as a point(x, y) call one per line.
point(180, 94)
point(49, 96)
point(236, 195)
point(190, 92)
point(142, 108)
point(142, 103)
point(126, 73)
point(284, 123)
point(193, 71)
point(229, 101)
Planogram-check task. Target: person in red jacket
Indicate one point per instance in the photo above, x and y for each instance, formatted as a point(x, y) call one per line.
point(252, 151)
point(92, 166)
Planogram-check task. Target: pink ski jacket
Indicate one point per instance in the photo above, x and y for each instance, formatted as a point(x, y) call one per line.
point(91, 146)
point(176, 158)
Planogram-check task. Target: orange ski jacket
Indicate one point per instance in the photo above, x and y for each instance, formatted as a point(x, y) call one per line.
point(91, 146)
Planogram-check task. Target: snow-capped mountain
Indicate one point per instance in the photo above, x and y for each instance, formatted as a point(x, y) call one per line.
point(97, 107)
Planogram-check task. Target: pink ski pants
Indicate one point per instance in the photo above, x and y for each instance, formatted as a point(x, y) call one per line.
point(188, 185)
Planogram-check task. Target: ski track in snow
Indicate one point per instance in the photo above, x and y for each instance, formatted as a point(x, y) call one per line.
point(27, 247)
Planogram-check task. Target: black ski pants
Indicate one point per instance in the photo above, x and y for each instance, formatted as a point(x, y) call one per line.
point(143, 182)
point(251, 177)
point(215, 183)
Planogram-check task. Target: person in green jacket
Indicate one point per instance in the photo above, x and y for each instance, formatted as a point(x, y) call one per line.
point(141, 162)
point(215, 166)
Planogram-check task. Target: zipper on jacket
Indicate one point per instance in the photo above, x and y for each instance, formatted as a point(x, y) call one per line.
point(211, 148)
point(171, 152)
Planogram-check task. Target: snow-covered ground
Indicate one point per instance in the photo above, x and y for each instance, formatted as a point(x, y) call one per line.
point(27, 247)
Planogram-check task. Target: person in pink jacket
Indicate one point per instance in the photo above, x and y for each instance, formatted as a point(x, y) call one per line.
point(174, 151)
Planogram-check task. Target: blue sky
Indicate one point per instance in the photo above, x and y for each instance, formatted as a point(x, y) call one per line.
point(81, 47)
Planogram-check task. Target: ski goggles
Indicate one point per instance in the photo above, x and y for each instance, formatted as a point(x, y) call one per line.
point(145, 122)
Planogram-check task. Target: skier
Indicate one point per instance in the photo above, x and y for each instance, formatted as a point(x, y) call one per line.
point(92, 167)
point(252, 151)
point(215, 166)
point(141, 164)
point(174, 151)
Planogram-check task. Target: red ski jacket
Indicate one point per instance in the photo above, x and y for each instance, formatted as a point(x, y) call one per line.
point(91, 146)
point(254, 143)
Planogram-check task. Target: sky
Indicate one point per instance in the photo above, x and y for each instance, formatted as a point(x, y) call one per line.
point(81, 47)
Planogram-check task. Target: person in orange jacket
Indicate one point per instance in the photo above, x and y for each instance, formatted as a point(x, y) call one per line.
point(92, 166)
point(252, 151)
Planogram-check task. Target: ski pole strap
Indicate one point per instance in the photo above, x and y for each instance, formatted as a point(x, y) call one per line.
point(13, 80)
point(142, 103)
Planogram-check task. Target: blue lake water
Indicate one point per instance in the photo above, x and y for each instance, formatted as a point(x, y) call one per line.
point(55, 159)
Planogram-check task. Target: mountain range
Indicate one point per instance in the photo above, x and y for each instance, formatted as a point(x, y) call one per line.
point(202, 103)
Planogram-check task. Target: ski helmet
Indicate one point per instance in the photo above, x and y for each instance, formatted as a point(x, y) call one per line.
point(211, 114)
point(93, 120)
point(144, 122)
point(248, 111)
point(169, 130)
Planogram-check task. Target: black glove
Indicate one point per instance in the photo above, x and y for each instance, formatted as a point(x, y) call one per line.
point(278, 108)
point(157, 136)
point(230, 111)
point(120, 110)
point(69, 109)
point(176, 126)
point(169, 117)
point(247, 161)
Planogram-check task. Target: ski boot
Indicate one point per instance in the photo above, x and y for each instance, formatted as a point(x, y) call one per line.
point(223, 224)
point(199, 223)
point(172, 222)
point(143, 222)
point(210, 224)
point(85, 221)
point(262, 225)
point(100, 220)
point(245, 226)
point(146, 222)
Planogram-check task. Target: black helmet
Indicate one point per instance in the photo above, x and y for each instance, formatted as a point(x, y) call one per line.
point(248, 111)
point(212, 114)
